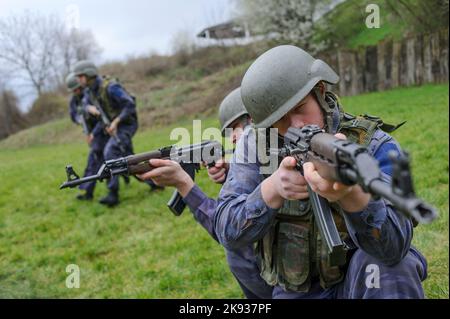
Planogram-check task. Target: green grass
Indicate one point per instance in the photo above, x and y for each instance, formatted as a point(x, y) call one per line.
point(425, 137)
point(139, 249)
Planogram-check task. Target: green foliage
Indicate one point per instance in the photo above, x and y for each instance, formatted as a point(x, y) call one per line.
point(140, 250)
point(345, 27)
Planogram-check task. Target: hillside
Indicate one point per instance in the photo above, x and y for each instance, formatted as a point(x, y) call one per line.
point(139, 249)
point(167, 88)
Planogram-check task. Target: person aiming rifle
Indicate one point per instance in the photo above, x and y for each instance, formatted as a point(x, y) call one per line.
point(284, 91)
point(243, 264)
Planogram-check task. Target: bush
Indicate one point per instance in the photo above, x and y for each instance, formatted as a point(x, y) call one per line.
point(11, 118)
point(47, 107)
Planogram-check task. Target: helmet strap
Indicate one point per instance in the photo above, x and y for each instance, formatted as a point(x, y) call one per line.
point(326, 109)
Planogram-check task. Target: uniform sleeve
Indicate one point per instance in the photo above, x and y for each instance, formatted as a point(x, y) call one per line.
point(121, 98)
point(380, 230)
point(203, 208)
point(86, 101)
point(242, 217)
point(73, 110)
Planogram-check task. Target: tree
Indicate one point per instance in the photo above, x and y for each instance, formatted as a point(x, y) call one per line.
point(183, 45)
point(11, 119)
point(38, 50)
point(27, 45)
point(282, 20)
point(74, 45)
point(421, 15)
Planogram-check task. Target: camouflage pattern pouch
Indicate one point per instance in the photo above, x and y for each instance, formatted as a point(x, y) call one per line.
point(292, 256)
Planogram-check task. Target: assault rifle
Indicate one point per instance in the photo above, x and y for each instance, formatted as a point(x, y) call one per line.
point(350, 163)
point(190, 157)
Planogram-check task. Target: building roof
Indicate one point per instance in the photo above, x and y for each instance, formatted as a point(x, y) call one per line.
point(227, 30)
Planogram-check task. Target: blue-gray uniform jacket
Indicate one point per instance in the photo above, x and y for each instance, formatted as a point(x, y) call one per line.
point(242, 217)
point(242, 260)
point(73, 109)
point(119, 99)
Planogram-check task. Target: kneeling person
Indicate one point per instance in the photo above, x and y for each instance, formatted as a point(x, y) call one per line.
point(242, 260)
point(285, 88)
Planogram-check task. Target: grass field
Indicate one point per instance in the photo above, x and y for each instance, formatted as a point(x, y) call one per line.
point(139, 249)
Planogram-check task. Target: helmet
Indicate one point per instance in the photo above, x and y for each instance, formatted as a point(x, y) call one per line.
point(278, 80)
point(85, 67)
point(231, 109)
point(72, 82)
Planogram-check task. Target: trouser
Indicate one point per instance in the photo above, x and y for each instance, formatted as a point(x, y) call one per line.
point(112, 149)
point(94, 161)
point(367, 278)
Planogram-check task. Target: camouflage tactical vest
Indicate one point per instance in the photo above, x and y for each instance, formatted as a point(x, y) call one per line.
point(292, 254)
point(103, 98)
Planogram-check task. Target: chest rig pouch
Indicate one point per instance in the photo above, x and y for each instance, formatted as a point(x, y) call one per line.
point(104, 100)
point(292, 254)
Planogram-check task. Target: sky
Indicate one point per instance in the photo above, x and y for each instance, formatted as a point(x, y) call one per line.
point(131, 27)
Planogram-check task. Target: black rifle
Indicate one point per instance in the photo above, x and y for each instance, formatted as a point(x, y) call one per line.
point(190, 157)
point(350, 163)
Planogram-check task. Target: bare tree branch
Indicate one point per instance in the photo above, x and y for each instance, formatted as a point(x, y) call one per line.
point(41, 49)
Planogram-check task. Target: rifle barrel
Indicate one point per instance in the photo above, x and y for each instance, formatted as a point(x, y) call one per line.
point(421, 211)
point(79, 181)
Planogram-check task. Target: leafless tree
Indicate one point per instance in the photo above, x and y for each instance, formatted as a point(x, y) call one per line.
point(27, 46)
point(38, 50)
point(73, 45)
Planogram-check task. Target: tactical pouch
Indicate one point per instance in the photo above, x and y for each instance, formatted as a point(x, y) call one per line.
point(292, 256)
point(329, 275)
point(295, 209)
point(264, 250)
point(359, 130)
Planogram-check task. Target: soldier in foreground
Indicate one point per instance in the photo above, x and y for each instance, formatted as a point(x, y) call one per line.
point(285, 87)
point(95, 141)
point(242, 261)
